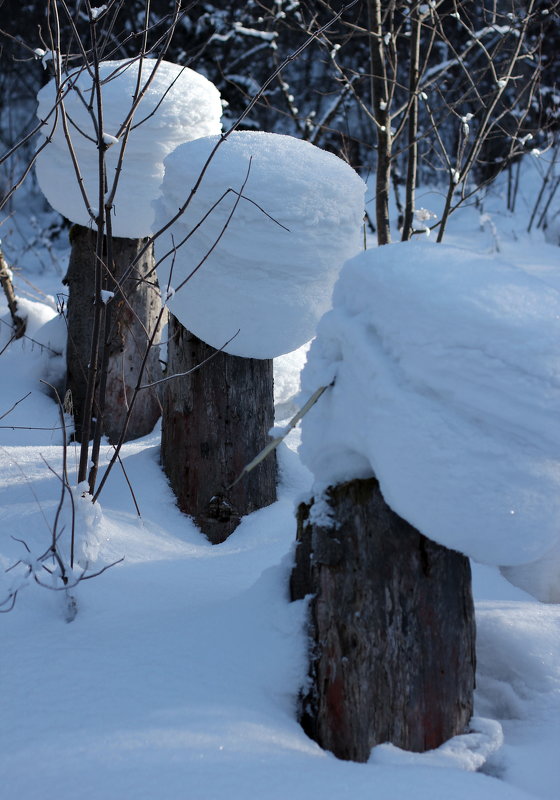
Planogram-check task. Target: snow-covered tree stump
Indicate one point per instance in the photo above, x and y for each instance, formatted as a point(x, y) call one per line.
point(134, 310)
point(214, 422)
point(391, 620)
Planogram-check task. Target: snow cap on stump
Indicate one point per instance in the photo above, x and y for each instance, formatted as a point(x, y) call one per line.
point(269, 259)
point(179, 105)
point(447, 388)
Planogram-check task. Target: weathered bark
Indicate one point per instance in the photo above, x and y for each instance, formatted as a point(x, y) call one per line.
point(214, 422)
point(392, 630)
point(133, 313)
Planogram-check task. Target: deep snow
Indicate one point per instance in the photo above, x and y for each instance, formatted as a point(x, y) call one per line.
point(446, 376)
point(178, 104)
point(179, 676)
point(261, 266)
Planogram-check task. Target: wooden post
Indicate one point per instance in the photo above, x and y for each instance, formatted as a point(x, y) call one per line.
point(392, 631)
point(134, 310)
point(214, 422)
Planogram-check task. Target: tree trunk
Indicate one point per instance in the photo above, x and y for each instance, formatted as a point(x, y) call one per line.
point(412, 124)
point(391, 620)
point(133, 311)
point(381, 91)
point(215, 421)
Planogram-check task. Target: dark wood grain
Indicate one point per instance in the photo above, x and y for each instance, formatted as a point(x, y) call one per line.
point(216, 421)
point(391, 621)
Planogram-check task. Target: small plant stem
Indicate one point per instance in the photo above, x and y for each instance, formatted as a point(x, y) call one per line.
point(99, 307)
point(412, 156)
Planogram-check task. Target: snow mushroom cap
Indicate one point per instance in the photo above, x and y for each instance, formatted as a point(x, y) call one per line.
point(179, 105)
point(447, 388)
point(268, 257)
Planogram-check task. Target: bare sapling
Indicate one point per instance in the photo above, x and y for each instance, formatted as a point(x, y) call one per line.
point(58, 567)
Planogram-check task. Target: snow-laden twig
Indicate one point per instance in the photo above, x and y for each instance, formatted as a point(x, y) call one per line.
point(19, 323)
point(272, 445)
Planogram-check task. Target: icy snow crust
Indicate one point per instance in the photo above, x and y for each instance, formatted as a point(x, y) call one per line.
point(447, 388)
point(179, 105)
point(271, 273)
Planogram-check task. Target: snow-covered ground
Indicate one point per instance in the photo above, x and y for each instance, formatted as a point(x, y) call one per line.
point(179, 676)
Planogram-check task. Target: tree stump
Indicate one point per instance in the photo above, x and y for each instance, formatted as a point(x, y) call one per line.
point(134, 310)
point(214, 422)
point(392, 628)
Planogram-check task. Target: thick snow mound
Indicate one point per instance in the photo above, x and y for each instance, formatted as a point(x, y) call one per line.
point(268, 271)
point(447, 388)
point(541, 578)
point(179, 105)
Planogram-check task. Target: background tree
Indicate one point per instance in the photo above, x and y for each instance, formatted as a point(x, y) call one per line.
point(327, 96)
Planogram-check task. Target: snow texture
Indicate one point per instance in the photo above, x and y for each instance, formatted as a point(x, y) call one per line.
point(447, 388)
point(287, 370)
point(268, 258)
point(541, 578)
point(179, 105)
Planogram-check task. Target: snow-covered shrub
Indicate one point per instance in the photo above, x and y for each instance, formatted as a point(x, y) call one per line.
point(179, 105)
point(268, 260)
point(447, 388)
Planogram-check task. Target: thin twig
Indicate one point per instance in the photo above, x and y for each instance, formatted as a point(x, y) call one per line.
point(9, 411)
point(272, 445)
point(193, 369)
